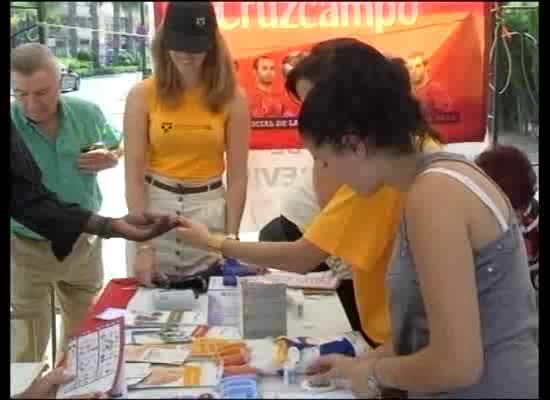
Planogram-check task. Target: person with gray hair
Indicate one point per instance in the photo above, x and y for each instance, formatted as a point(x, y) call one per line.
point(71, 142)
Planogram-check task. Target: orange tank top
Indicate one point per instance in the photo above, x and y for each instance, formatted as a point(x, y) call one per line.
point(186, 142)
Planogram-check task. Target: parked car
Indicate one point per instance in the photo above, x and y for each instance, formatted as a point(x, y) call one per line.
point(69, 79)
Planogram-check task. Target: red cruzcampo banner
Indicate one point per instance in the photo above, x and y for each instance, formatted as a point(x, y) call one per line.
point(443, 43)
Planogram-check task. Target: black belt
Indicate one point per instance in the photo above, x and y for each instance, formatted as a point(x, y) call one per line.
point(180, 189)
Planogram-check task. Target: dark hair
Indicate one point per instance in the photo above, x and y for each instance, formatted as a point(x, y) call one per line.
point(257, 61)
point(310, 68)
point(333, 44)
point(368, 95)
point(401, 66)
point(316, 63)
point(404, 79)
point(294, 57)
point(510, 168)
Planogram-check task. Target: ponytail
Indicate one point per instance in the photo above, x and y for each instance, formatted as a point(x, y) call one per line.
point(425, 131)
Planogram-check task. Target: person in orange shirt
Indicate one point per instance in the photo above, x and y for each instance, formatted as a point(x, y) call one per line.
point(185, 126)
point(265, 101)
point(433, 97)
point(335, 230)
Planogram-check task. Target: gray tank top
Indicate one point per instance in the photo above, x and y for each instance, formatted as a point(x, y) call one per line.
point(509, 318)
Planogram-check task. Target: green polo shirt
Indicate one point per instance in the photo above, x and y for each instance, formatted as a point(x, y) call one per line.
point(81, 123)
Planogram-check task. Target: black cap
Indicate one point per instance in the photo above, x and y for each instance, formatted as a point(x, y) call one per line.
point(190, 26)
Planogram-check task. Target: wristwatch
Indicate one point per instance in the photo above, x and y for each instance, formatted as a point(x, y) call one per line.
point(105, 228)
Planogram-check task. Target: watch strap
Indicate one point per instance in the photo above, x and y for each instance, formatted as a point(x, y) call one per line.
point(105, 229)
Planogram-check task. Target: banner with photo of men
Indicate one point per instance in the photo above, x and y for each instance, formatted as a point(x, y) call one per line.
point(443, 43)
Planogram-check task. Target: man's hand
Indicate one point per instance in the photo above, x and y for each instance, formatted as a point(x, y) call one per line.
point(45, 387)
point(97, 160)
point(142, 227)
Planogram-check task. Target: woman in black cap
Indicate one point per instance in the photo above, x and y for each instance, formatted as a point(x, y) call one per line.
point(180, 124)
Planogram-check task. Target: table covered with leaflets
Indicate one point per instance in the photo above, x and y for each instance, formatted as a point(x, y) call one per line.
point(251, 337)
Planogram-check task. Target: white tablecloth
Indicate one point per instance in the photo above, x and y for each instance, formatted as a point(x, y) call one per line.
point(323, 316)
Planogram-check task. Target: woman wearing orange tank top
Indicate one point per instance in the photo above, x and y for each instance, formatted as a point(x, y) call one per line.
point(183, 126)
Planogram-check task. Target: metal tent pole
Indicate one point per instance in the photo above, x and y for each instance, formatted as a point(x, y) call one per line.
point(41, 11)
point(494, 98)
point(143, 52)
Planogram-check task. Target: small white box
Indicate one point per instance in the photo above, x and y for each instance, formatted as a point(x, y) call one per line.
point(224, 307)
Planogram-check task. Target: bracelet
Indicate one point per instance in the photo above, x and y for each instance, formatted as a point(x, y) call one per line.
point(215, 242)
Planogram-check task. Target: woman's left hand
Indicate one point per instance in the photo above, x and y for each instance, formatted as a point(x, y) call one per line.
point(332, 366)
point(193, 233)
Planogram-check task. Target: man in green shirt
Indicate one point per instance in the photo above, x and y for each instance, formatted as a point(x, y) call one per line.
point(56, 129)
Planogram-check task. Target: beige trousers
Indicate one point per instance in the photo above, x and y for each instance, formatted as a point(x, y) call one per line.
point(34, 270)
point(174, 257)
